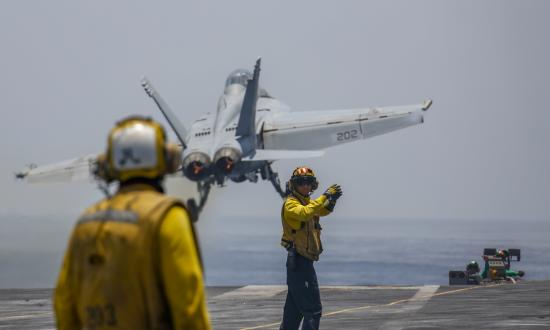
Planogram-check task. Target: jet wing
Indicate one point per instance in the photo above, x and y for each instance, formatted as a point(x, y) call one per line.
point(78, 169)
point(313, 130)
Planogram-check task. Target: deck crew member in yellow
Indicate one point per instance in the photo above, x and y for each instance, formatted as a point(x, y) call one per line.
point(132, 260)
point(302, 239)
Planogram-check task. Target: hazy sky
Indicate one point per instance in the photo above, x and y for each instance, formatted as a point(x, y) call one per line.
point(70, 69)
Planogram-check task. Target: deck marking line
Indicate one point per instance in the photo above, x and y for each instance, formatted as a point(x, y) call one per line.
point(419, 300)
point(27, 316)
point(252, 291)
point(262, 326)
point(362, 287)
point(370, 306)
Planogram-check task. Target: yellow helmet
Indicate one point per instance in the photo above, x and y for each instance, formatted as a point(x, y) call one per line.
point(304, 174)
point(137, 148)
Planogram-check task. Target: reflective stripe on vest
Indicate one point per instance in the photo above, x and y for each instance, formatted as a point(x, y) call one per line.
point(110, 215)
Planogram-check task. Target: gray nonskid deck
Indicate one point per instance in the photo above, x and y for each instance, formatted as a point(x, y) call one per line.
point(525, 305)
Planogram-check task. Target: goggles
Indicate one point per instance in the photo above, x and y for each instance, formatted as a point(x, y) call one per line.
point(304, 180)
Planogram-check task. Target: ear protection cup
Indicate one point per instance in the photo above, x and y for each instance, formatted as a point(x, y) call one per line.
point(315, 185)
point(288, 188)
point(102, 169)
point(173, 154)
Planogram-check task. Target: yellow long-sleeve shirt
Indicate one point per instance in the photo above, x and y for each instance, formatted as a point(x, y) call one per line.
point(296, 211)
point(181, 272)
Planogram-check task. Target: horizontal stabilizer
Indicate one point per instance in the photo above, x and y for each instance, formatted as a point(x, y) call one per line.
point(263, 154)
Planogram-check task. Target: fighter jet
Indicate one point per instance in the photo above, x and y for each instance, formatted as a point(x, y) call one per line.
point(249, 131)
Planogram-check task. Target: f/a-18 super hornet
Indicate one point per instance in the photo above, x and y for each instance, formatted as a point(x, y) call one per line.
point(249, 131)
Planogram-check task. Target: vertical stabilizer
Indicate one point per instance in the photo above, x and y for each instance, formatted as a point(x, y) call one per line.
point(246, 128)
point(177, 126)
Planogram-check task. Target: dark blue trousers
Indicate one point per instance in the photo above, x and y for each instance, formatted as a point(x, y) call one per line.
point(303, 300)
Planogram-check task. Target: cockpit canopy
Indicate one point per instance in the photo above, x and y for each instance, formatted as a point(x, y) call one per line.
point(239, 76)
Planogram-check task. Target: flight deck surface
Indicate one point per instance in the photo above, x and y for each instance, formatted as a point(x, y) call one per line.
point(525, 305)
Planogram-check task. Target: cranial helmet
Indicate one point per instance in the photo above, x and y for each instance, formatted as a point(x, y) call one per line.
point(137, 148)
point(303, 175)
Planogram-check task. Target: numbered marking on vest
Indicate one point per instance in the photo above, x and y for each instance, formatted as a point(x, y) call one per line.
point(98, 316)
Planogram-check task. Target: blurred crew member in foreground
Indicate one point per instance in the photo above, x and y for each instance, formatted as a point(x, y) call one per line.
point(302, 239)
point(132, 260)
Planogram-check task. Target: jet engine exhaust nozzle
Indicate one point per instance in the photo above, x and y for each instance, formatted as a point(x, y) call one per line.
point(225, 159)
point(196, 166)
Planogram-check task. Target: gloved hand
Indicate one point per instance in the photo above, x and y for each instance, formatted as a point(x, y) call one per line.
point(333, 192)
point(330, 205)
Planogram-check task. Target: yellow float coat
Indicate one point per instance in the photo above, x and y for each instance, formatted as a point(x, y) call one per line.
point(300, 219)
point(132, 263)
